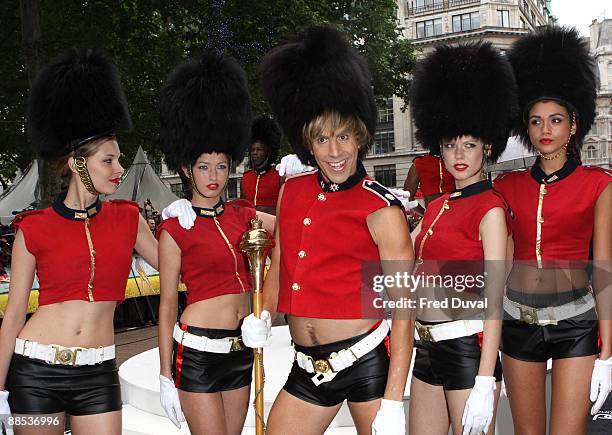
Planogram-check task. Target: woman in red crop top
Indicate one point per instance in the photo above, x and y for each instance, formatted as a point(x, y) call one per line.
point(559, 207)
point(464, 234)
point(205, 368)
point(63, 359)
point(333, 225)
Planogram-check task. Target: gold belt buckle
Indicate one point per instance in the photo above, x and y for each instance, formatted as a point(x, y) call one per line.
point(237, 344)
point(65, 357)
point(322, 366)
point(424, 333)
point(529, 315)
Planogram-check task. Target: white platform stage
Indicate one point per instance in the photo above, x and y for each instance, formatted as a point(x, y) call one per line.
point(143, 415)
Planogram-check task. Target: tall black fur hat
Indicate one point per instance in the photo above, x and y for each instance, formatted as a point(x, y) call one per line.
point(76, 98)
point(554, 63)
point(205, 108)
point(317, 72)
point(267, 131)
point(464, 89)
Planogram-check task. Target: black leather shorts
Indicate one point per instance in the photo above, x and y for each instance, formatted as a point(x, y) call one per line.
point(364, 381)
point(569, 338)
point(207, 372)
point(39, 388)
point(451, 364)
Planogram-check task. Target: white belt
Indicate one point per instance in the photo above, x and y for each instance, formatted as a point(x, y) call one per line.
point(205, 344)
point(449, 330)
point(326, 369)
point(549, 315)
point(65, 356)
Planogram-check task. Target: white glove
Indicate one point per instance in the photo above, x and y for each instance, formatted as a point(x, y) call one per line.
point(291, 165)
point(404, 197)
point(256, 332)
point(390, 419)
point(478, 412)
point(168, 396)
point(601, 383)
point(182, 209)
point(5, 411)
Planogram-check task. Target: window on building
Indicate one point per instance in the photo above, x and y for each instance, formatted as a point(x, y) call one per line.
point(385, 114)
point(525, 5)
point(523, 25)
point(427, 3)
point(591, 152)
point(384, 142)
point(610, 74)
point(503, 18)
point(465, 22)
point(533, 18)
point(594, 130)
point(428, 28)
point(385, 175)
point(177, 189)
point(232, 188)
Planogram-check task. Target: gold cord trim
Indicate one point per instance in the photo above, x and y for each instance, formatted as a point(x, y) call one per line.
point(231, 248)
point(429, 231)
point(256, 190)
point(539, 222)
point(440, 165)
point(92, 255)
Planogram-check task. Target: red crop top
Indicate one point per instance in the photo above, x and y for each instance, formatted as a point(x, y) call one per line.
point(81, 254)
point(449, 242)
point(556, 209)
point(433, 175)
point(261, 188)
point(325, 245)
point(211, 261)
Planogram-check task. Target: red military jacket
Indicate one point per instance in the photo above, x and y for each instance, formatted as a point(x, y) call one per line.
point(261, 188)
point(211, 261)
point(433, 175)
point(553, 214)
point(453, 233)
point(326, 244)
point(81, 254)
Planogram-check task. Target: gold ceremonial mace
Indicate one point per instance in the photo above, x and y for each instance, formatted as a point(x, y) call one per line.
point(256, 243)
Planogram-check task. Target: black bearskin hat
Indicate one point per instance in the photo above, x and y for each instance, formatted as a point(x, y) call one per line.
point(317, 72)
point(205, 108)
point(464, 89)
point(76, 98)
point(554, 63)
point(267, 131)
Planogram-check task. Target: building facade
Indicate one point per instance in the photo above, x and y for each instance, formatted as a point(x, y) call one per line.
point(428, 23)
point(597, 147)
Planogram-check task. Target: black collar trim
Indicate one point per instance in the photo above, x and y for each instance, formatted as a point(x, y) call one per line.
point(261, 171)
point(541, 177)
point(217, 210)
point(472, 189)
point(75, 215)
point(351, 181)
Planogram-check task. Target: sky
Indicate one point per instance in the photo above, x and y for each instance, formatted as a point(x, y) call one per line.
point(580, 13)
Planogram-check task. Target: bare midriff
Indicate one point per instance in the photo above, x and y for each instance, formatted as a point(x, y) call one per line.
point(221, 312)
point(307, 331)
point(72, 324)
point(530, 279)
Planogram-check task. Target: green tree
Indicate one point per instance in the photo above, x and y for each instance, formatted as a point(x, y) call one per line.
point(148, 38)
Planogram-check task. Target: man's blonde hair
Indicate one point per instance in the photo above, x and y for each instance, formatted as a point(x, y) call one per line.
point(333, 121)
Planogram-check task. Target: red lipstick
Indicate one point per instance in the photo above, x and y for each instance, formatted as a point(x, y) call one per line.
point(116, 180)
point(545, 141)
point(460, 167)
point(212, 186)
